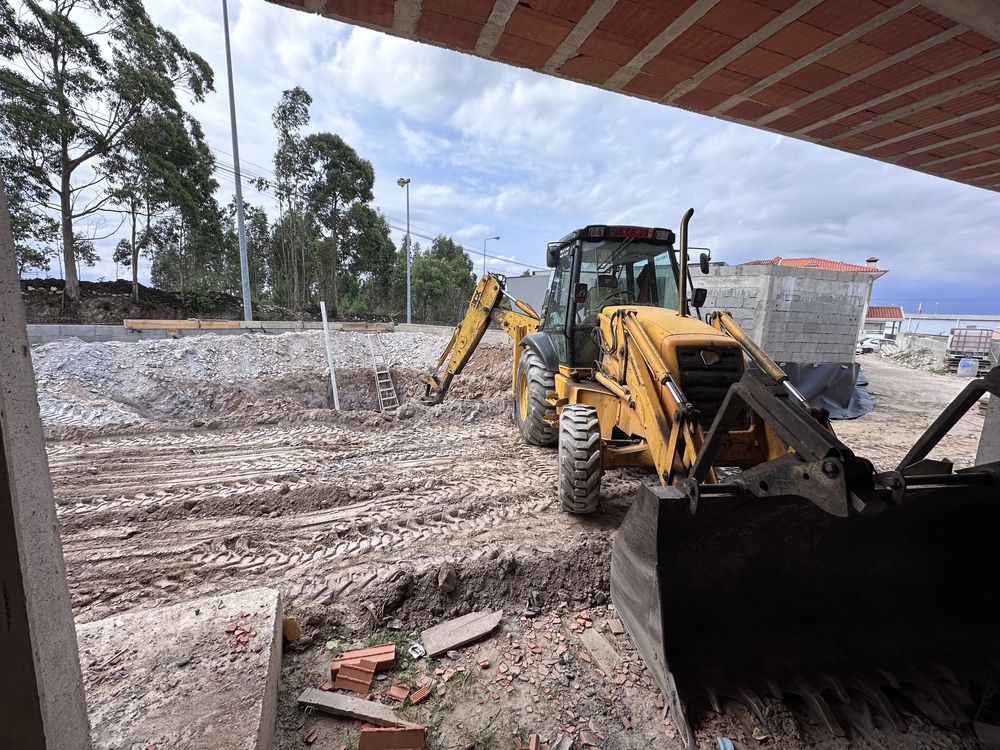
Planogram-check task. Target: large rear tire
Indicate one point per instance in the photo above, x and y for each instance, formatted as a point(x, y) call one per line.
point(534, 415)
point(580, 467)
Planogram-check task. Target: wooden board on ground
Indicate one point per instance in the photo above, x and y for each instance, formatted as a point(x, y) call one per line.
point(138, 324)
point(603, 652)
point(460, 631)
point(352, 707)
point(361, 326)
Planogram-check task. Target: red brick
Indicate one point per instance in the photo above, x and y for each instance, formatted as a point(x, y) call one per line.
point(476, 11)
point(528, 23)
point(420, 694)
point(391, 739)
point(375, 12)
point(901, 33)
point(607, 46)
point(398, 692)
point(736, 18)
point(642, 21)
point(457, 32)
point(853, 58)
point(383, 656)
point(702, 44)
point(759, 63)
point(797, 39)
point(813, 77)
point(514, 49)
point(328, 685)
point(649, 86)
point(840, 16)
point(311, 737)
point(586, 68)
point(355, 677)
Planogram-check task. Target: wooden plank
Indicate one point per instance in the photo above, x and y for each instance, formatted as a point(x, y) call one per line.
point(138, 324)
point(352, 707)
point(602, 651)
point(216, 324)
point(460, 631)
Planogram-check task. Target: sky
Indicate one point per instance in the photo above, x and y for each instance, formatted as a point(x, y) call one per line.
point(496, 150)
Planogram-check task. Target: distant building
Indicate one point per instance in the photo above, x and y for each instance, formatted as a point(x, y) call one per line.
point(883, 320)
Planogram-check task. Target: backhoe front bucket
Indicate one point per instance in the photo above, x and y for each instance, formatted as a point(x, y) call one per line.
point(747, 597)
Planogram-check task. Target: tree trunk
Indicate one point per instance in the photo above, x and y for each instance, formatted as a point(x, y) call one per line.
point(333, 265)
point(71, 291)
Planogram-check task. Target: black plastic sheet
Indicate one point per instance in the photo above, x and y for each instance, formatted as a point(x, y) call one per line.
point(838, 387)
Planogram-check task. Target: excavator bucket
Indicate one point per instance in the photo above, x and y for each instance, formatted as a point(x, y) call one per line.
point(895, 605)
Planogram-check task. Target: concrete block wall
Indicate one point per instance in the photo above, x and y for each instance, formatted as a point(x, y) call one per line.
point(805, 315)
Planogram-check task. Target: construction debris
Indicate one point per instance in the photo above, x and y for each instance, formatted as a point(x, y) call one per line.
point(602, 651)
point(459, 632)
point(356, 677)
point(383, 656)
point(351, 707)
point(311, 737)
point(420, 694)
point(391, 739)
point(398, 693)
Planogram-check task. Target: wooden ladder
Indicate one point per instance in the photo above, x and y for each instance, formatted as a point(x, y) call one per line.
point(383, 380)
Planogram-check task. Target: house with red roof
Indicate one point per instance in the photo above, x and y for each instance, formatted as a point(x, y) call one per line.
point(883, 320)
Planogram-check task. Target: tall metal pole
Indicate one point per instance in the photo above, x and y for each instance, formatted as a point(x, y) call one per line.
point(404, 182)
point(240, 230)
point(484, 251)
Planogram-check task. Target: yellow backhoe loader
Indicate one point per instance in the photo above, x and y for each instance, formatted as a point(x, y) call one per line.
point(764, 559)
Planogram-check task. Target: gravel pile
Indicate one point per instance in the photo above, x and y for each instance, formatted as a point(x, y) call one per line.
point(93, 384)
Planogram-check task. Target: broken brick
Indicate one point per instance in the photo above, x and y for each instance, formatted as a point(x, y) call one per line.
point(355, 677)
point(327, 685)
point(398, 692)
point(383, 656)
point(391, 739)
point(534, 742)
point(420, 694)
point(311, 737)
point(484, 663)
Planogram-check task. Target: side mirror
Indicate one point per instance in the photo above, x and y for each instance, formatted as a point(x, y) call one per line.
point(703, 262)
point(552, 255)
point(699, 296)
point(580, 293)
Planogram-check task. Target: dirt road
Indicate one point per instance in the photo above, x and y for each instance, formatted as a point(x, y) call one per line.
point(354, 515)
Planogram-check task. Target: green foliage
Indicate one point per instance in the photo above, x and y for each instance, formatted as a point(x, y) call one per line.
point(85, 72)
point(442, 281)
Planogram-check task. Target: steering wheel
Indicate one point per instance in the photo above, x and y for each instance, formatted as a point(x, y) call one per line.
point(627, 293)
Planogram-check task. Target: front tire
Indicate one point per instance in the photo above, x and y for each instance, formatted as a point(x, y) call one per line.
point(580, 467)
point(534, 415)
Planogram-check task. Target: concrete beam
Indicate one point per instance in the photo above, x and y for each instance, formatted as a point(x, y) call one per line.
point(489, 37)
point(596, 13)
point(936, 126)
point(832, 46)
point(682, 23)
point(42, 704)
point(846, 81)
point(739, 49)
point(979, 15)
point(405, 15)
point(897, 92)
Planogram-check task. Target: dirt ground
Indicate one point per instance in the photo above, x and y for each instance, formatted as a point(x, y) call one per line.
point(355, 516)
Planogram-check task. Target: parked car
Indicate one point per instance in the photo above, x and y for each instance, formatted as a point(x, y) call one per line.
point(869, 344)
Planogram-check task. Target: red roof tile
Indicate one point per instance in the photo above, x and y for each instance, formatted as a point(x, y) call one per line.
point(821, 263)
point(884, 312)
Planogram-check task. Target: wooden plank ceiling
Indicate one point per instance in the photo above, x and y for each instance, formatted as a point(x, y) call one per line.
point(895, 80)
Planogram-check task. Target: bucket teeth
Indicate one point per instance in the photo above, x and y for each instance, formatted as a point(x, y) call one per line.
point(753, 701)
point(713, 698)
point(833, 683)
point(774, 689)
point(872, 692)
point(819, 709)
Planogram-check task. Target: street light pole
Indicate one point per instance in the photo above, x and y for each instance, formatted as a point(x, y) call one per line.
point(484, 251)
point(240, 230)
point(405, 183)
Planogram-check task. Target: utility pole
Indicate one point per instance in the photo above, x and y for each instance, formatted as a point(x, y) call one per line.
point(404, 182)
point(240, 230)
point(484, 251)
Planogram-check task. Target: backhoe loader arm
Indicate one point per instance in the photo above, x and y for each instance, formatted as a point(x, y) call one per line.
point(484, 307)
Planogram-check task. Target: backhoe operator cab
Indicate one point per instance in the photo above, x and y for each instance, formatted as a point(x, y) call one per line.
point(601, 266)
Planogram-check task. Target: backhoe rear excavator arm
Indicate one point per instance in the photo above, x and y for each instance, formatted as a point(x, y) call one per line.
point(484, 307)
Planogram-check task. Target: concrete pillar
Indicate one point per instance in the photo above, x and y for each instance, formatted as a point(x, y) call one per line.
point(42, 705)
point(989, 442)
